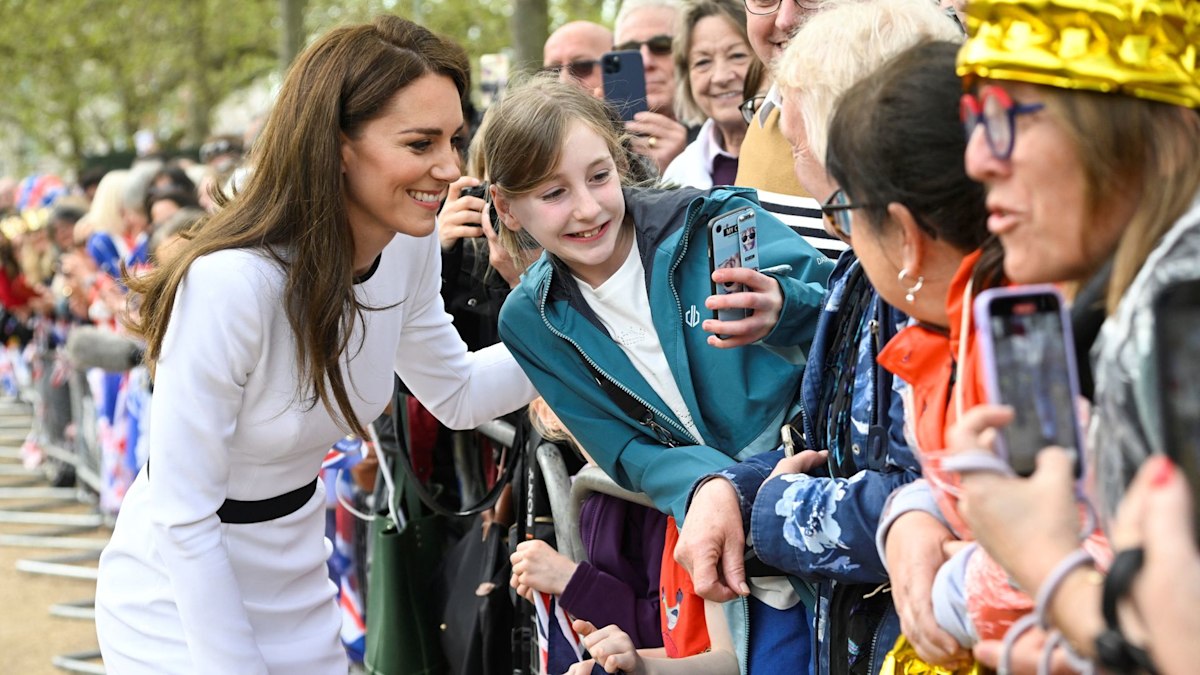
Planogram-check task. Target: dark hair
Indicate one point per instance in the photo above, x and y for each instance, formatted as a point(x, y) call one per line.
point(896, 137)
point(176, 176)
point(182, 199)
point(293, 206)
point(90, 177)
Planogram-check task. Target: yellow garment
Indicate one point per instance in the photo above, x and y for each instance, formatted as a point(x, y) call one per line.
point(903, 660)
point(765, 160)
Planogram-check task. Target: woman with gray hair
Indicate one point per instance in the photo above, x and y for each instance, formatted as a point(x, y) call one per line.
point(713, 73)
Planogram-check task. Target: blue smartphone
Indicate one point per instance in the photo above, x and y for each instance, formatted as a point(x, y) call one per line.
point(1028, 358)
point(624, 82)
point(732, 242)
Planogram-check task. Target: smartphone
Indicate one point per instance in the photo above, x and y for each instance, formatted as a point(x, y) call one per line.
point(732, 242)
point(1177, 355)
point(482, 192)
point(1028, 358)
point(624, 82)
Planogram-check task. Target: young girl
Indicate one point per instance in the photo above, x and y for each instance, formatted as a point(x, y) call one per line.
point(613, 324)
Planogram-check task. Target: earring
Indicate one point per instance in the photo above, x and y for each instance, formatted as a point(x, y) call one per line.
point(911, 292)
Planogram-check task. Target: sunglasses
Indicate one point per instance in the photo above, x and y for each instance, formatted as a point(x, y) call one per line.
point(576, 69)
point(659, 45)
point(997, 112)
point(751, 106)
point(836, 211)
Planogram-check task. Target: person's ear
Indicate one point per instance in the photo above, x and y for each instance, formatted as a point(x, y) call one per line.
point(503, 209)
point(911, 240)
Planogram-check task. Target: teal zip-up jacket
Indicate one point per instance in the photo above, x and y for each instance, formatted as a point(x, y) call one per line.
point(738, 397)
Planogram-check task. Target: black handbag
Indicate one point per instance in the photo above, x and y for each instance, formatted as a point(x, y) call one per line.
point(477, 614)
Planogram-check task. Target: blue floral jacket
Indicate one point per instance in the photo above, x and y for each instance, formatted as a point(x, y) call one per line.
point(821, 528)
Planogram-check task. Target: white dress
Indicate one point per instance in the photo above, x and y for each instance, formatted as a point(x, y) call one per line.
point(181, 592)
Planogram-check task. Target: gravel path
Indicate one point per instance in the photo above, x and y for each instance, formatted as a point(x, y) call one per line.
point(29, 635)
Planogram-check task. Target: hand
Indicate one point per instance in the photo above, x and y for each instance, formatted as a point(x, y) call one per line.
point(537, 567)
point(1028, 525)
point(1026, 654)
point(498, 256)
point(712, 535)
point(762, 295)
point(1156, 514)
point(670, 137)
point(459, 217)
point(610, 647)
point(802, 462)
point(915, 549)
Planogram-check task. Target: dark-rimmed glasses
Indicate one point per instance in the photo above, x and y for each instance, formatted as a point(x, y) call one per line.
point(659, 45)
point(751, 106)
point(576, 69)
point(763, 7)
point(836, 211)
point(996, 110)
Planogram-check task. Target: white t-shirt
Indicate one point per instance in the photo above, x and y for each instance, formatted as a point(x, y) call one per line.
point(623, 306)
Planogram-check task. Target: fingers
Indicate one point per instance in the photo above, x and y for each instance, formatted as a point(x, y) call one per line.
point(968, 434)
point(733, 564)
point(455, 189)
point(611, 648)
point(584, 628)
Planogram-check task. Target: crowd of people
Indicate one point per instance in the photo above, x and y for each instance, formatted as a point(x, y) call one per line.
point(819, 441)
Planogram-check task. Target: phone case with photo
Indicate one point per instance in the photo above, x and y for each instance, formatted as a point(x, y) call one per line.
point(732, 242)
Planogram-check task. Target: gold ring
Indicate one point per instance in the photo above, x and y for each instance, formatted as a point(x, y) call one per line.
point(652, 142)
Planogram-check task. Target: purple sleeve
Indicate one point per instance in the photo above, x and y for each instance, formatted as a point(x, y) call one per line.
point(603, 599)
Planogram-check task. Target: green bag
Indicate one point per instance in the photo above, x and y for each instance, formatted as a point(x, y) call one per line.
point(402, 631)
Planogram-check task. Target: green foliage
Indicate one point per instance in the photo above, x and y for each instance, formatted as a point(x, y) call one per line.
point(82, 76)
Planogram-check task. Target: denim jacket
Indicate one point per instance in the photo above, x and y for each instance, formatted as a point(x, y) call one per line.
point(821, 528)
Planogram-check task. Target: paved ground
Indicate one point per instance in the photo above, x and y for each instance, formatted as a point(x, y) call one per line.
point(30, 636)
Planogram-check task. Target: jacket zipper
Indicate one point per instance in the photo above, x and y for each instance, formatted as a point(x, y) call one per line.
point(662, 434)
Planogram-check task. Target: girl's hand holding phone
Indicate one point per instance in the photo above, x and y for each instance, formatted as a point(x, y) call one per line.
point(762, 296)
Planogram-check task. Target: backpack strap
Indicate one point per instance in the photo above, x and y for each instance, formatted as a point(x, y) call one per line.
point(877, 435)
point(631, 406)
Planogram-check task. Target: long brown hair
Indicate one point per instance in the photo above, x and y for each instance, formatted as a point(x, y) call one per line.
point(293, 205)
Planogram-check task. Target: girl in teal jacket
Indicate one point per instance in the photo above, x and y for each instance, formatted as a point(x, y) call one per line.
point(614, 323)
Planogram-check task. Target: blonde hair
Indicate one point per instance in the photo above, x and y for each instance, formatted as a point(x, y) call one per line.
point(690, 14)
point(1131, 150)
point(524, 136)
point(845, 42)
point(104, 215)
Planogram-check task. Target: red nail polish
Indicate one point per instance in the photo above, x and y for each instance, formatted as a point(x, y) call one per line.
point(1162, 473)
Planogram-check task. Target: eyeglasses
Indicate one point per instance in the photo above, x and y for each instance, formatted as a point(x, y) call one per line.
point(659, 45)
point(995, 109)
point(576, 69)
point(751, 106)
point(836, 211)
point(762, 7)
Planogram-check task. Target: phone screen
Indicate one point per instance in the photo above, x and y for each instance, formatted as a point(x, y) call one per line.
point(1177, 331)
point(1033, 373)
point(733, 242)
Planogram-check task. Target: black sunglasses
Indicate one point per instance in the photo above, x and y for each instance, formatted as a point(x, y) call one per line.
point(577, 69)
point(659, 45)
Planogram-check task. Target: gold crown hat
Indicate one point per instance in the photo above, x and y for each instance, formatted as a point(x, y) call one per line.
point(1142, 48)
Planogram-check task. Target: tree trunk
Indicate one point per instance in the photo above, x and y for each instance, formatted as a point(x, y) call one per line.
point(291, 39)
point(530, 26)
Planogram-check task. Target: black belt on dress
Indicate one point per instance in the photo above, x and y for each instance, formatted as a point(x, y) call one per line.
point(238, 512)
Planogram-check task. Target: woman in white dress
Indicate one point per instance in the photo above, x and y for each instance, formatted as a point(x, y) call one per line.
point(276, 331)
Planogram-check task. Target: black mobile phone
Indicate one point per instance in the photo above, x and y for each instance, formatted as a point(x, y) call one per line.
point(732, 242)
point(624, 82)
point(1177, 356)
point(482, 192)
point(1028, 358)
